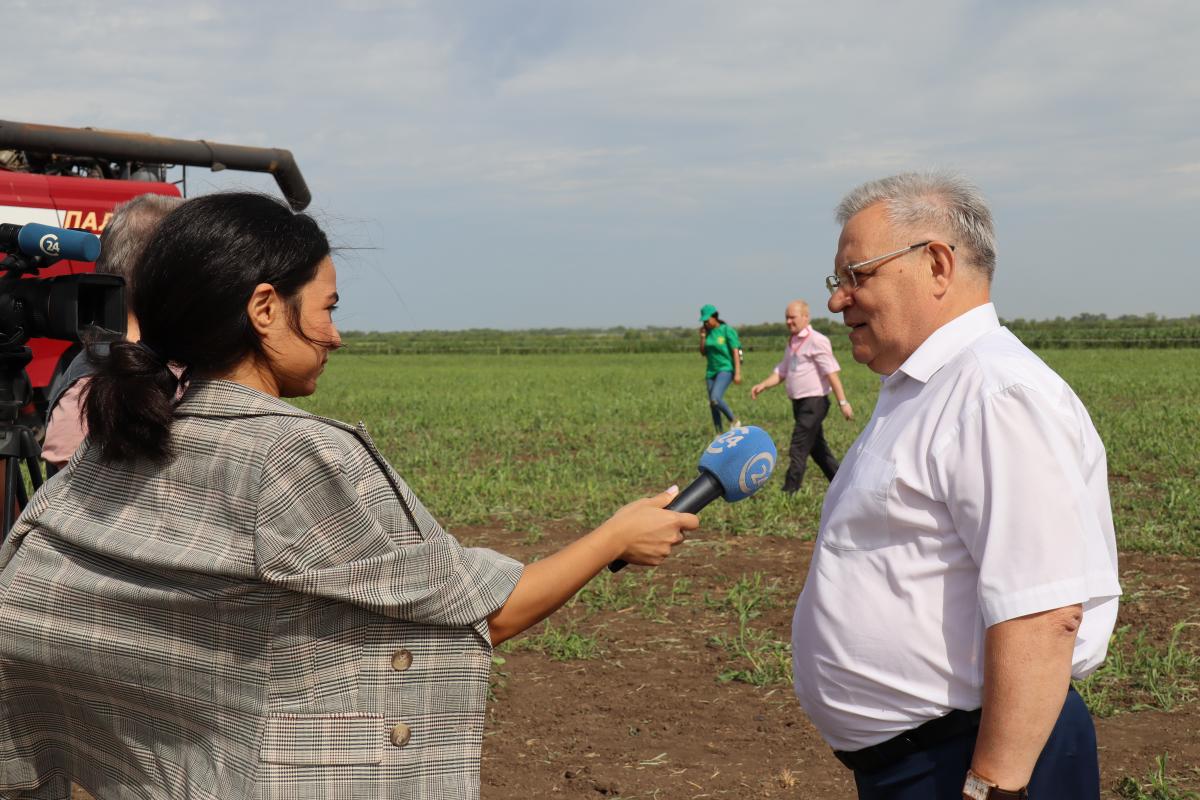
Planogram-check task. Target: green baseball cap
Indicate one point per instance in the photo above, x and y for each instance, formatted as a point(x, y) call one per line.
point(707, 311)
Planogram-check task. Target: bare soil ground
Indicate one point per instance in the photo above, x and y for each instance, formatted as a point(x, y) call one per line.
point(646, 716)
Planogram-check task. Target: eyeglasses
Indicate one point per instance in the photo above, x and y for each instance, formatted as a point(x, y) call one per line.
point(849, 274)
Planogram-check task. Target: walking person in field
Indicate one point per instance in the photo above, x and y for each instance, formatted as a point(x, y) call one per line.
point(224, 596)
point(121, 245)
point(809, 372)
point(721, 348)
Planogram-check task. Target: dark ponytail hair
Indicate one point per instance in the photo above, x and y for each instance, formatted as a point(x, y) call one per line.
point(190, 291)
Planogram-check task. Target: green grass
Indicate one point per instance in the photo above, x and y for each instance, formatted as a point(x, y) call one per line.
point(643, 591)
point(747, 597)
point(1156, 786)
point(1148, 414)
point(560, 643)
point(526, 442)
point(755, 655)
point(611, 592)
point(1085, 330)
point(520, 440)
point(1139, 675)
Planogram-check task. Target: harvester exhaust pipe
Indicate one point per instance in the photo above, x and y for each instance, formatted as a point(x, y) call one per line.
point(144, 148)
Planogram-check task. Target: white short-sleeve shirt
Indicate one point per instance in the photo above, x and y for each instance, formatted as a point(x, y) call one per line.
point(977, 493)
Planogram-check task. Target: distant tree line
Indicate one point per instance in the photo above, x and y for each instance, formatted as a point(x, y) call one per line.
point(1084, 330)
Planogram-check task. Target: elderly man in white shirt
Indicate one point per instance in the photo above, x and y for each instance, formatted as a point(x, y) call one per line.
point(966, 568)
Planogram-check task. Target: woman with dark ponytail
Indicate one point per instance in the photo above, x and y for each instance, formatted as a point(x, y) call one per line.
point(190, 299)
point(224, 596)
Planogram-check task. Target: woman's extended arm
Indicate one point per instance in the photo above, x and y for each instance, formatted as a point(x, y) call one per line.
point(642, 532)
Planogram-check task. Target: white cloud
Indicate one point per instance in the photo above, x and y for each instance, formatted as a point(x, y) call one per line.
point(684, 117)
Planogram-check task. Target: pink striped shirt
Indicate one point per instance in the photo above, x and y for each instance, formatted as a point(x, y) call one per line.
point(807, 364)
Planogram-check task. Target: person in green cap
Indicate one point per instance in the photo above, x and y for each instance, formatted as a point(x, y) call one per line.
point(720, 346)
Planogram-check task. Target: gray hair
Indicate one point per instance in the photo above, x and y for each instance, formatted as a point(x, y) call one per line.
point(944, 201)
point(127, 233)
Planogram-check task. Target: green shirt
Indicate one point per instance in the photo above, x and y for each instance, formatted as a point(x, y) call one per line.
point(719, 346)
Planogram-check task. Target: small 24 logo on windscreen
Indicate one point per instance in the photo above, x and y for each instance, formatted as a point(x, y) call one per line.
point(727, 440)
point(756, 472)
point(48, 244)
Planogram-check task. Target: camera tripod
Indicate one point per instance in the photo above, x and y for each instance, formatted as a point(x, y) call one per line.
point(64, 307)
point(17, 443)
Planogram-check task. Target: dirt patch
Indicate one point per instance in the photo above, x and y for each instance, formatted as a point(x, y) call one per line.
point(1160, 593)
point(648, 716)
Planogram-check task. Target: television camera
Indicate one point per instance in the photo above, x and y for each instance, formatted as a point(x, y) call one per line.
point(74, 308)
point(75, 178)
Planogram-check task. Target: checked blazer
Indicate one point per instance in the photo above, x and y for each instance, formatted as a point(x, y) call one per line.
point(270, 614)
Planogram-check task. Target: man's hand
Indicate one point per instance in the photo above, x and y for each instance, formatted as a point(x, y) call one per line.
point(847, 411)
point(771, 380)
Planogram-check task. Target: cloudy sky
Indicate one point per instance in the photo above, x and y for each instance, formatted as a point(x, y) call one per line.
point(621, 162)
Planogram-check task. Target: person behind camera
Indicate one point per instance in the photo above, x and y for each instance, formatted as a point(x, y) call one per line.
point(121, 245)
point(227, 596)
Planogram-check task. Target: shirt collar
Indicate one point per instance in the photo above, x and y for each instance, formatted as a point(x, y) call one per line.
point(799, 338)
point(218, 398)
point(948, 341)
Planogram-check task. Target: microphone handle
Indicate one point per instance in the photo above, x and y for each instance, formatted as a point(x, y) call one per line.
point(696, 496)
point(9, 235)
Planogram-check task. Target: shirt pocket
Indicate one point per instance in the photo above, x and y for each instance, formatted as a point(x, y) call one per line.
point(323, 739)
point(858, 518)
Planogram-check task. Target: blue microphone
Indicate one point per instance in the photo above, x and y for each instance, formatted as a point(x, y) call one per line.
point(734, 466)
point(35, 239)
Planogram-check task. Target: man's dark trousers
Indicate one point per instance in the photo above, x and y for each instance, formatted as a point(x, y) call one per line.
point(1067, 768)
point(809, 439)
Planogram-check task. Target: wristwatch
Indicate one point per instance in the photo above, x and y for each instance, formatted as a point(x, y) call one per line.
point(978, 788)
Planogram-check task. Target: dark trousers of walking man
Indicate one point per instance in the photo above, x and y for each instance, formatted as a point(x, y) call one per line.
point(808, 438)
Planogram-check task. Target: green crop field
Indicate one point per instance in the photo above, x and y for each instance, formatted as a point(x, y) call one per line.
point(547, 440)
point(522, 440)
point(1084, 330)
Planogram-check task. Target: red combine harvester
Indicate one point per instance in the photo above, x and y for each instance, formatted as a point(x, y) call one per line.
point(73, 177)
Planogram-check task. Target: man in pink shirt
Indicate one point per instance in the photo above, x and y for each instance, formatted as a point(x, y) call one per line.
point(810, 372)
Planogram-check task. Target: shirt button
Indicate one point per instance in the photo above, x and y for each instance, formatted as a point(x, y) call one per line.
point(401, 660)
point(401, 733)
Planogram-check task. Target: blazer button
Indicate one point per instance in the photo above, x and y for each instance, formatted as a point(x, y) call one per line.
point(401, 733)
point(401, 660)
